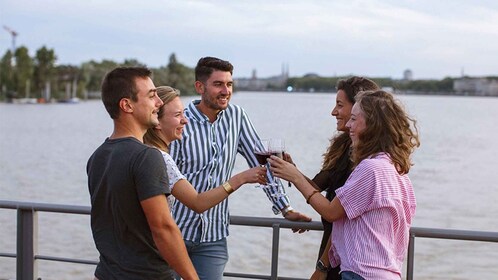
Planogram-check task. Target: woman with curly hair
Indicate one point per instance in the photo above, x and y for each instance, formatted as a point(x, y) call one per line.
point(337, 165)
point(373, 211)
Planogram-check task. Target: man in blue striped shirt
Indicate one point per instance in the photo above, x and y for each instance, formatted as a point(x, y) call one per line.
point(206, 155)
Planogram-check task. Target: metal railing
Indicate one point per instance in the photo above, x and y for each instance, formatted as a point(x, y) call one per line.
point(27, 238)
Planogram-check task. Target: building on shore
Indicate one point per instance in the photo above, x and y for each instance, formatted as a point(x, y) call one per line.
point(407, 75)
point(476, 86)
point(261, 84)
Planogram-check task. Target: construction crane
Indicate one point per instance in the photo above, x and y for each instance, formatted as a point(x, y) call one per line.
point(14, 35)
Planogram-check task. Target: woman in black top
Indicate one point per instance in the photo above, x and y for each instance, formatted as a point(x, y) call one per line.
point(337, 165)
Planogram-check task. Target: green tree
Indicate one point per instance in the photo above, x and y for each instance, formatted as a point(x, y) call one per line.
point(67, 80)
point(133, 63)
point(7, 75)
point(177, 75)
point(23, 74)
point(44, 71)
point(93, 72)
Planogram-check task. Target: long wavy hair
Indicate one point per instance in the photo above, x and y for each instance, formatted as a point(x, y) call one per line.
point(388, 129)
point(341, 142)
point(152, 137)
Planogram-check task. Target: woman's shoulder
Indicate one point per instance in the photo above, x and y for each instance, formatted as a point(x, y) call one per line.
point(167, 157)
point(376, 161)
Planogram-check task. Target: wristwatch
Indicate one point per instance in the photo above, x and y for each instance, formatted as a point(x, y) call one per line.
point(321, 266)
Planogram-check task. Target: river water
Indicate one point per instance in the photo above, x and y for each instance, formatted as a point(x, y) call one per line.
point(44, 149)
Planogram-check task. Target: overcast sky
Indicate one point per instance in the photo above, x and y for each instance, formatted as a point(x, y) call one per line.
point(381, 38)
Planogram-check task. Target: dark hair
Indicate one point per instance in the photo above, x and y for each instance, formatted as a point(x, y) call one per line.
point(388, 129)
point(355, 84)
point(207, 65)
point(121, 83)
point(341, 142)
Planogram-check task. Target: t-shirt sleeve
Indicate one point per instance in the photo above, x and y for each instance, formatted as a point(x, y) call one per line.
point(174, 174)
point(150, 174)
point(322, 179)
point(358, 194)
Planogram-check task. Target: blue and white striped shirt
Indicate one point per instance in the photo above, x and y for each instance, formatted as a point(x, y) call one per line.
point(206, 156)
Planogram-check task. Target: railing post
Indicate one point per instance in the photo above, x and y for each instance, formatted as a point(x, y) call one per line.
point(27, 244)
point(274, 251)
point(411, 257)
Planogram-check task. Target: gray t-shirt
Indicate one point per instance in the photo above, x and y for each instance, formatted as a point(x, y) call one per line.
point(121, 173)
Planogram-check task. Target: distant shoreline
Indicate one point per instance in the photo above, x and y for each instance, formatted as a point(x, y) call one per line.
point(396, 92)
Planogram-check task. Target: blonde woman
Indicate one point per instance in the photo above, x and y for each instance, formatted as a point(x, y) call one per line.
point(170, 128)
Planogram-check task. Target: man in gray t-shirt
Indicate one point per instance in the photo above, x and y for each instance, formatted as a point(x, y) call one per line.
point(132, 227)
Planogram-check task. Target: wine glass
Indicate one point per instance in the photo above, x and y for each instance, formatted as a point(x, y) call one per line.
point(262, 151)
point(277, 148)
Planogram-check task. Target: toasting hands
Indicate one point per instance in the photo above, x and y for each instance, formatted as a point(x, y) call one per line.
point(255, 175)
point(284, 169)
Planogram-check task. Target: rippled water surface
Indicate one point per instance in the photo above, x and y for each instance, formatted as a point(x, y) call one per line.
point(44, 149)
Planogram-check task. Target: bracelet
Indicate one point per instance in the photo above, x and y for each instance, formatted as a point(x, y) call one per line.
point(287, 209)
point(312, 194)
point(228, 188)
point(320, 266)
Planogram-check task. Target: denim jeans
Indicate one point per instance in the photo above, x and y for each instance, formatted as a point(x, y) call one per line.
point(209, 258)
point(349, 275)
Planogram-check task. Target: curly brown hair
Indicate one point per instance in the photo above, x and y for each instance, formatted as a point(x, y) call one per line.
point(341, 142)
point(388, 129)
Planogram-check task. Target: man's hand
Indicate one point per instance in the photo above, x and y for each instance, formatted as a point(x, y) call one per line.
point(297, 217)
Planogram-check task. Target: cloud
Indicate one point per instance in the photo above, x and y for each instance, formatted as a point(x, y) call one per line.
point(378, 38)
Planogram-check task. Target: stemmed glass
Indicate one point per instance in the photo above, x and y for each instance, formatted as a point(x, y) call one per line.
point(277, 148)
point(262, 151)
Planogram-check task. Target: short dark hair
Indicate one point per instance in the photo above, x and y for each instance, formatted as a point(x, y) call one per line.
point(120, 83)
point(207, 65)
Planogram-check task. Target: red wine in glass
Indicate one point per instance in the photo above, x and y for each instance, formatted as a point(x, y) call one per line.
point(262, 151)
point(262, 157)
point(277, 154)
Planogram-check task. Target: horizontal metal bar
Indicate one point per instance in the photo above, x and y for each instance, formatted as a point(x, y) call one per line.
point(69, 260)
point(8, 255)
point(469, 235)
point(418, 232)
point(45, 207)
point(247, 276)
point(269, 222)
point(256, 276)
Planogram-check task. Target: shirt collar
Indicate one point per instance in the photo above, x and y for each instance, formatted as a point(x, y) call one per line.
point(199, 116)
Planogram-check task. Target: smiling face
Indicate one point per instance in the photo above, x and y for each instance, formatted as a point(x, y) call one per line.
point(172, 121)
point(342, 110)
point(356, 123)
point(147, 105)
point(216, 93)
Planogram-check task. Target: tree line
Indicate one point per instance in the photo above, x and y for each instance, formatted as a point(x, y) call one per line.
point(40, 77)
point(327, 84)
point(22, 76)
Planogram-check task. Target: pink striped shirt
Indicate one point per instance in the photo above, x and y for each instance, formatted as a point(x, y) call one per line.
point(380, 204)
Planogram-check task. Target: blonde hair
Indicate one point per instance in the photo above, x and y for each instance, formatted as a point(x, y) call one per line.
point(388, 129)
point(152, 137)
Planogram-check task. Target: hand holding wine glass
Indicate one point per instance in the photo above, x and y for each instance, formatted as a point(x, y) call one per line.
point(262, 151)
point(277, 148)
